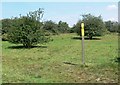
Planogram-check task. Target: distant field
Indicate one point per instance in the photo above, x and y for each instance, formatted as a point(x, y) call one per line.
point(59, 61)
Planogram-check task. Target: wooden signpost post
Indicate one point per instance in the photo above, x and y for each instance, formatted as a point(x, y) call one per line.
point(82, 33)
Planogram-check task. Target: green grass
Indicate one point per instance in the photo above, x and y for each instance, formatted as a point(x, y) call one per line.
point(45, 64)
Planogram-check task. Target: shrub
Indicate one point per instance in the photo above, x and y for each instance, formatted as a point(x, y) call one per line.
point(27, 30)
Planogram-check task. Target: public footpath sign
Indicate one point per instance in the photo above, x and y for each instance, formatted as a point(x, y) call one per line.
point(82, 33)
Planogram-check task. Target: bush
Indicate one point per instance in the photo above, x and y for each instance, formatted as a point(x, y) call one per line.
point(63, 27)
point(94, 26)
point(51, 27)
point(27, 30)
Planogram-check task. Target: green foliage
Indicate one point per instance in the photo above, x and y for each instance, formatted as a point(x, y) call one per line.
point(94, 26)
point(6, 25)
point(4, 37)
point(112, 26)
point(74, 28)
point(50, 27)
point(27, 30)
point(63, 27)
point(53, 28)
point(119, 27)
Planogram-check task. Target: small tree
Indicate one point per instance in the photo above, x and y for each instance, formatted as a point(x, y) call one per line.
point(27, 30)
point(63, 27)
point(94, 26)
point(112, 26)
point(50, 27)
point(6, 25)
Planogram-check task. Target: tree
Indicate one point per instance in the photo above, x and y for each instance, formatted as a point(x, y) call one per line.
point(111, 26)
point(63, 27)
point(27, 30)
point(51, 27)
point(6, 25)
point(115, 27)
point(94, 26)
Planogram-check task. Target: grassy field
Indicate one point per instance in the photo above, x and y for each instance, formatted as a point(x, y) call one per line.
point(59, 61)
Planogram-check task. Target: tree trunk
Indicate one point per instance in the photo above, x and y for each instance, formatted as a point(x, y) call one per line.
point(27, 45)
point(90, 37)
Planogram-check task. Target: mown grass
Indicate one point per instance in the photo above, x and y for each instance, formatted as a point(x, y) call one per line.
point(46, 63)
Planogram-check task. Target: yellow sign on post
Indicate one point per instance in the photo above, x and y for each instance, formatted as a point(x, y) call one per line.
point(82, 29)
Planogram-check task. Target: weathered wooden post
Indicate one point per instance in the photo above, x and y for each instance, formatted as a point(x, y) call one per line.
point(82, 33)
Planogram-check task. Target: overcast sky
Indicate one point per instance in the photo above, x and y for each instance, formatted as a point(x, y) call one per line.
point(65, 11)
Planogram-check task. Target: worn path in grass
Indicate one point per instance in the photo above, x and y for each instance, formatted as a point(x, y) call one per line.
point(60, 61)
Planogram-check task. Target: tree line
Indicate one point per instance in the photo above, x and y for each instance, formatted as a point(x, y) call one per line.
point(30, 30)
